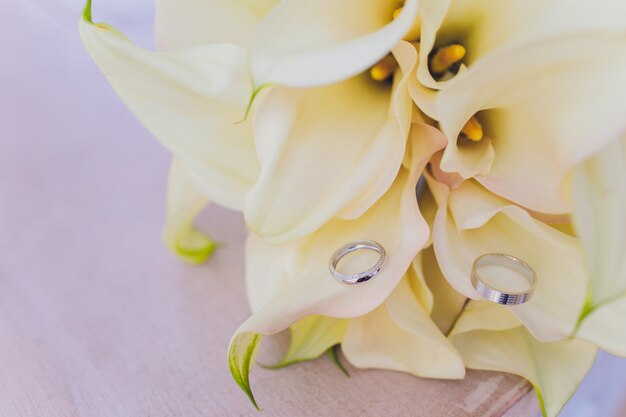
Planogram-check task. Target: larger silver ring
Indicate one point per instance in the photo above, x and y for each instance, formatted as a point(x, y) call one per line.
point(349, 248)
point(495, 295)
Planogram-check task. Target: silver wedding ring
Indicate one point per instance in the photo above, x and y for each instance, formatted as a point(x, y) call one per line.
point(507, 261)
point(352, 247)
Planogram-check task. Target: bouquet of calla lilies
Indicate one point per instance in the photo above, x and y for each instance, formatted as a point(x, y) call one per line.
point(442, 130)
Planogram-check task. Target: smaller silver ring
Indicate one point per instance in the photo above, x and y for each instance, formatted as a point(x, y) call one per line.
point(349, 248)
point(508, 261)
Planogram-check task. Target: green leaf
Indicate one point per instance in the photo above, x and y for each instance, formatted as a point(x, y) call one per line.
point(241, 359)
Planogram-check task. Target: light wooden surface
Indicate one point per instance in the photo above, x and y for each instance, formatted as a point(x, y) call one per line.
point(97, 319)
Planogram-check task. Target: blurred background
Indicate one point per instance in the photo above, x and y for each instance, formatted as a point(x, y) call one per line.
point(82, 189)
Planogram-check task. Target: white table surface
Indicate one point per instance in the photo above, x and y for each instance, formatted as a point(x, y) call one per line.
point(98, 319)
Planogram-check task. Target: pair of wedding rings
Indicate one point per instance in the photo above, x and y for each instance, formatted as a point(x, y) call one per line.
point(478, 281)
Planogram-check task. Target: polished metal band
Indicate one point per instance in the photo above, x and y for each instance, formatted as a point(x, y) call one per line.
point(349, 248)
point(508, 261)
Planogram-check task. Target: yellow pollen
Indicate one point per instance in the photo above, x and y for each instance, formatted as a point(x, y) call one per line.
point(445, 57)
point(473, 130)
point(384, 69)
point(396, 13)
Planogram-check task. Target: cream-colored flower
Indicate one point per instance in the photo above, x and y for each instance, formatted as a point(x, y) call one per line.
point(330, 151)
point(579, 301)
point(191, 99)
point(325, 152)
point(545, 79)
point(471, 222)
point(288, 283)
point(533, 339)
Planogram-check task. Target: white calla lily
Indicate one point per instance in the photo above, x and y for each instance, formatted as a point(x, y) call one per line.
point(306, 43)
point(472, 222)
point(190, 100)
point(599, 188)
point(485, 26)
point(184, 201)
point(539, 126)
point(490, 338)
point(188, 23)
point(521, 62)
point(289, 282)
point(350, 135)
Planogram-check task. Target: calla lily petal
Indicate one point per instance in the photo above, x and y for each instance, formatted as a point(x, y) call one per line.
point(447, 303)
point(399, 335)
point(605, 327)
point(190, 100)
point(418, 286)
point(183, 24)
point(306, 43)
point(428, 205)
point(599, 190)
point(311, 337)
point(431, 14)
point(289, 282)
point(485, 315)
point(344, 133)
point(451, 179)
point(401, 114)
point(473, 222)
point(535, 141)
point(184, 201)
point(555, 369)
